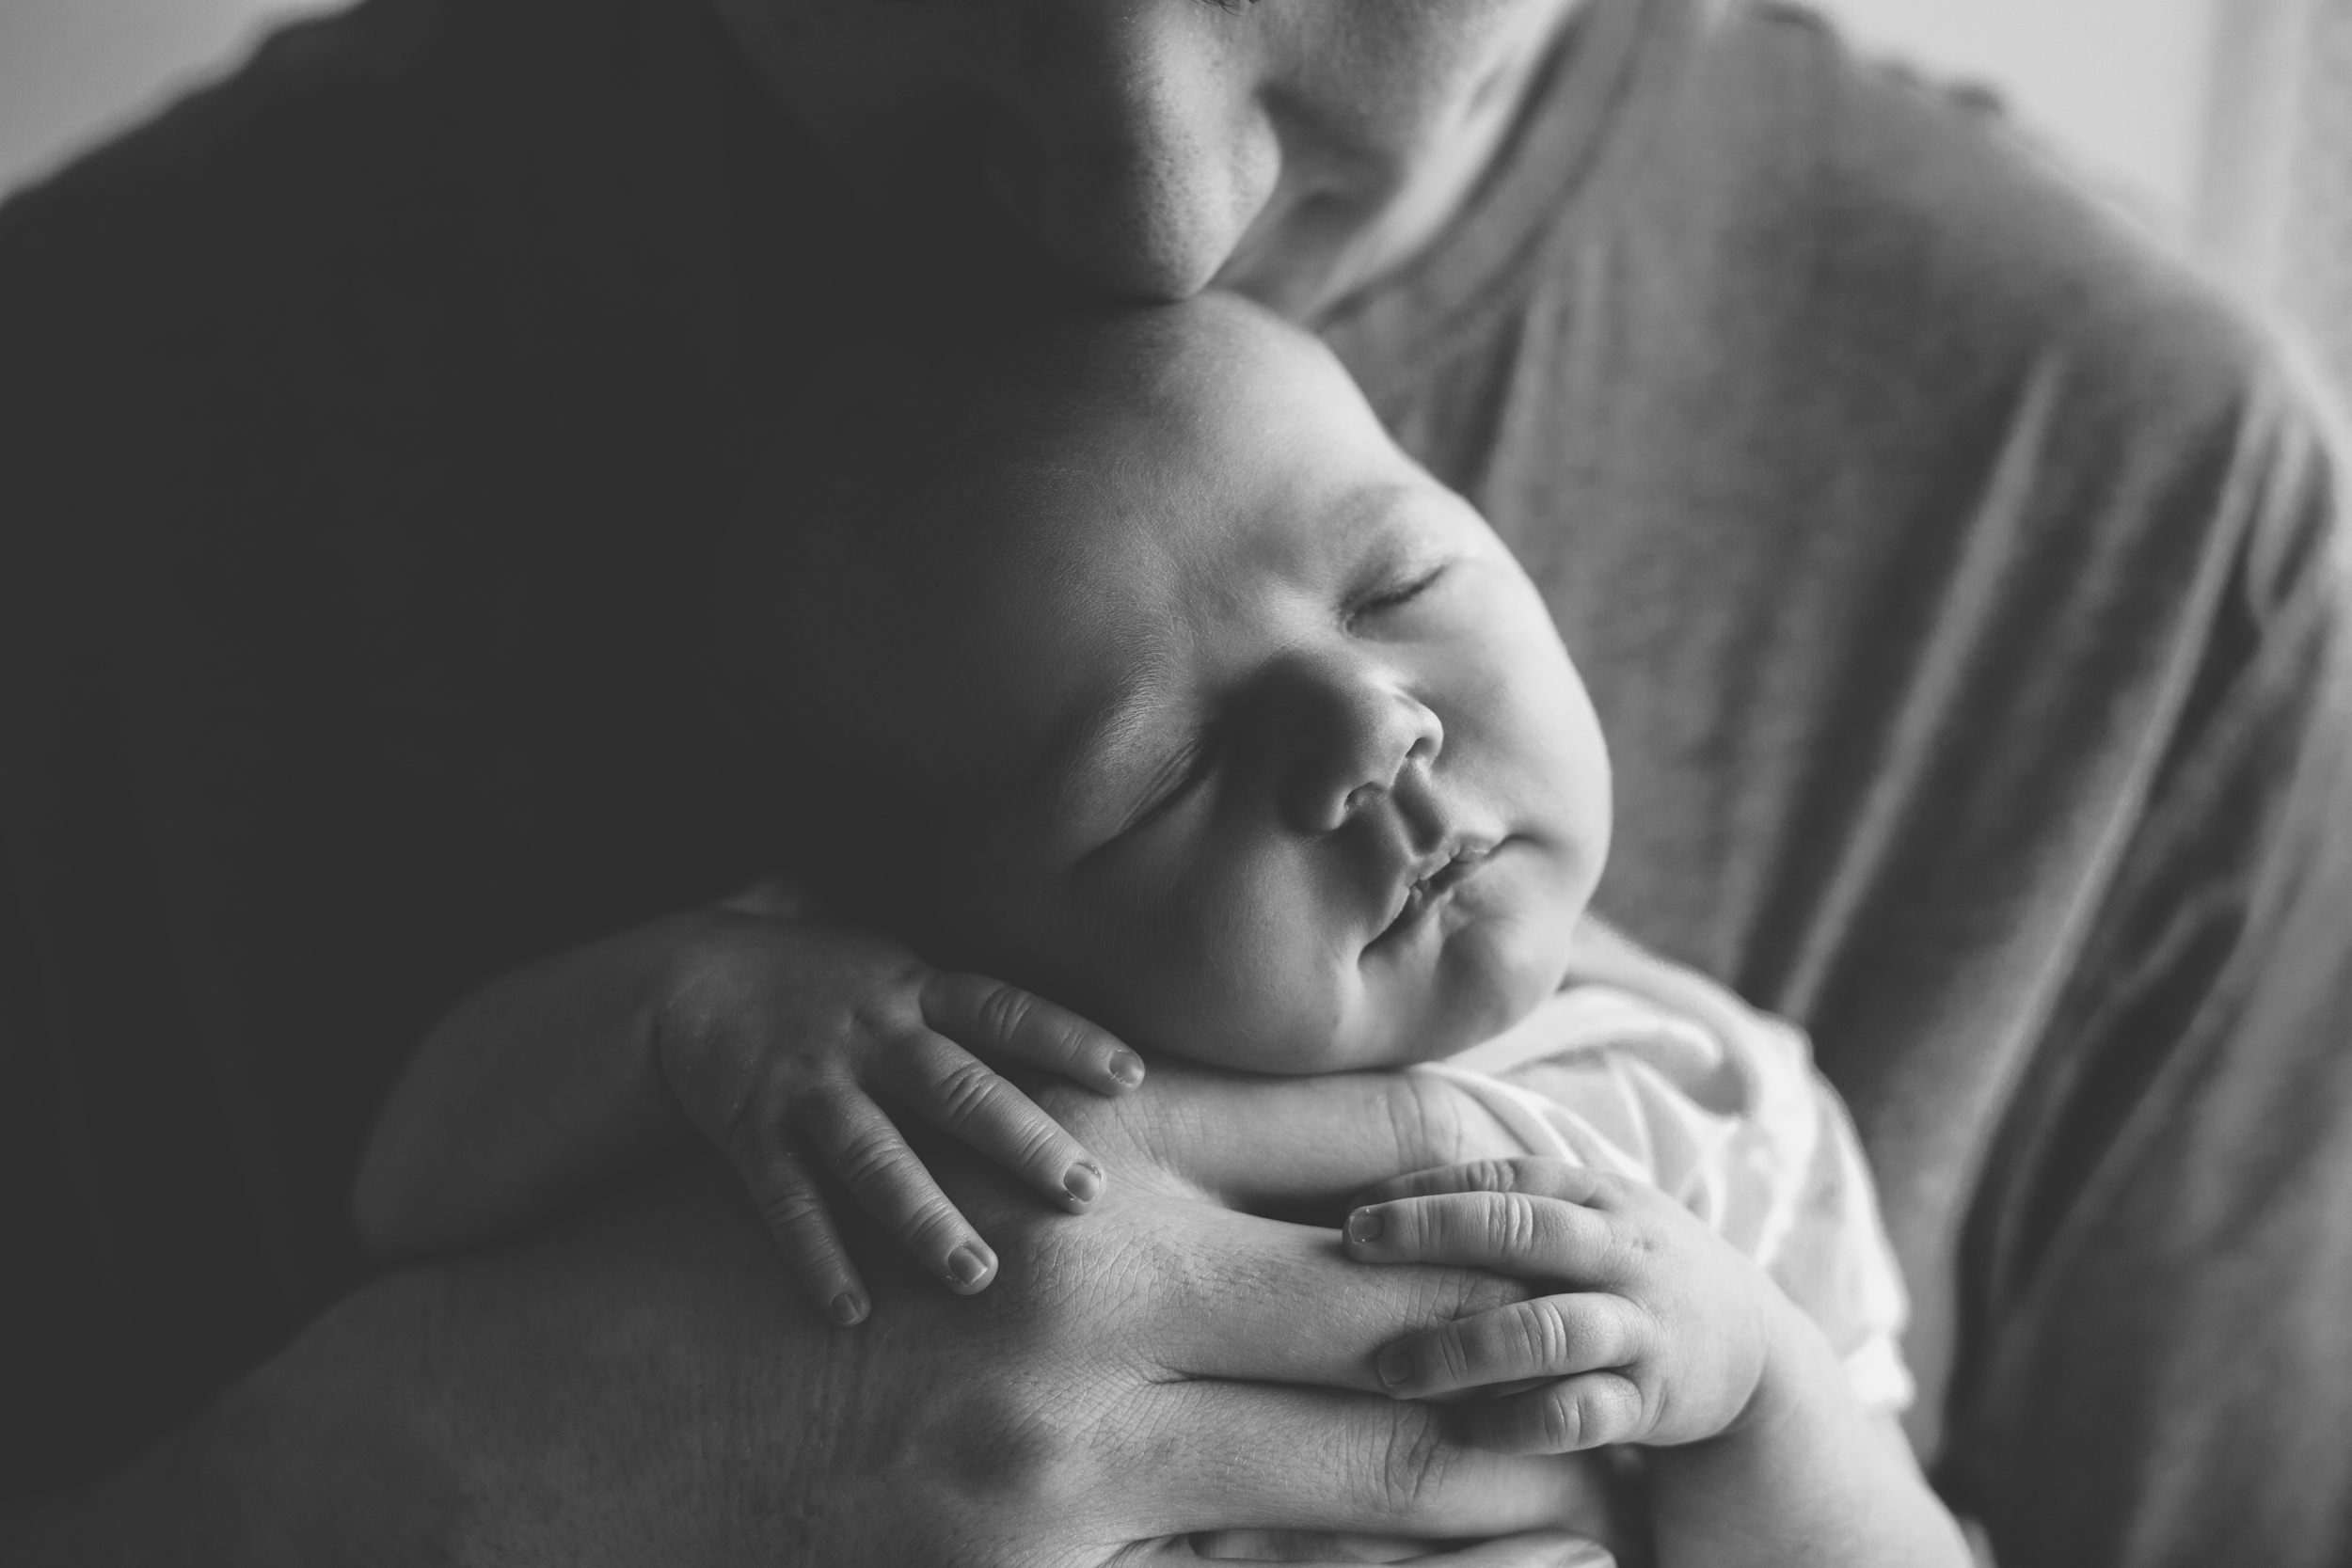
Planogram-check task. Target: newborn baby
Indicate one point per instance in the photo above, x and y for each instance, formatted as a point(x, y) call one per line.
point(1133, 663)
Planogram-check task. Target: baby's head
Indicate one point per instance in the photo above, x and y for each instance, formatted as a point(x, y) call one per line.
point(1130, 660)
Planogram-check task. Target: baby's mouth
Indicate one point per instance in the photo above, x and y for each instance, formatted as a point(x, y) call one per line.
point(1437, 878)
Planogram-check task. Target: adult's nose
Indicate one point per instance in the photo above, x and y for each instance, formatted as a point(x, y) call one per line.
point(1345, 731)
point(1132, 144)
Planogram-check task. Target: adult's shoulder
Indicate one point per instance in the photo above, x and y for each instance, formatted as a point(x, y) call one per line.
point(1935, 251)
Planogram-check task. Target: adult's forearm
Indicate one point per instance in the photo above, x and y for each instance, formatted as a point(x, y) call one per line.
point(536, 1089)
point(312, 1458)
point(150, 1513)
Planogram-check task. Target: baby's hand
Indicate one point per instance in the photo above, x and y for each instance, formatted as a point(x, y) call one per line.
point(1665, 1336)
point(778, 1036)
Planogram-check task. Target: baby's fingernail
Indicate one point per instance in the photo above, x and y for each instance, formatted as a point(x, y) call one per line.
point(1365, 1225)
point(849, 1308)
point(966, 1267)
point(1125, 1068)
point(1396, 1366)
point(1084, 1182)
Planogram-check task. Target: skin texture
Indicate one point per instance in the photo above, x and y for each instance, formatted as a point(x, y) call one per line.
point(632, 1387)
point(1291, 151)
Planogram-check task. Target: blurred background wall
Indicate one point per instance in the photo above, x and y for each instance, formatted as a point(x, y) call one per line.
point(2228, 122)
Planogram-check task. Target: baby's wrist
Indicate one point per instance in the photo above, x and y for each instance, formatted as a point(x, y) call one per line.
point(1801, 1377)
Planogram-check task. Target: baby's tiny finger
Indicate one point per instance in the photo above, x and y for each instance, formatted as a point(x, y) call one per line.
point(1551, 1337)
point(787, 1196)
point(1536, 1175)
point(862, 1146)
point(956, 1092)
point(1590, 1410)
point(1533, 1238)
point(1004, 1023)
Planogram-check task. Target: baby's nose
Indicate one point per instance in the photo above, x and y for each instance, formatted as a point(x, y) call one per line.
point(1353, 738)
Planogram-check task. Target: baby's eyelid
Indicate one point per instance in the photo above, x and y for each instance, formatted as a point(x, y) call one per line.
point(1397, 593)
point(1175, 780)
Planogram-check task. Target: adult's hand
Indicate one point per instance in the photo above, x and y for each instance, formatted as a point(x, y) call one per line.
point(643, 1383)
point(1296, 1146)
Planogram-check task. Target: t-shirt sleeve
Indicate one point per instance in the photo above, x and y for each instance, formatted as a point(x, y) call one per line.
point(1733, 1122)
point(2158, 1257)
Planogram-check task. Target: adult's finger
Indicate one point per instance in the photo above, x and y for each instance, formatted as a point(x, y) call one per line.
point(1282, 1302)
point(862, 1147)
point(962, 1096)
point(1004, 1023)
point(1274, 1458)
point(1513, 1233)
point(1328, 1549)
point(1260, 1143)
point(1551, 1337)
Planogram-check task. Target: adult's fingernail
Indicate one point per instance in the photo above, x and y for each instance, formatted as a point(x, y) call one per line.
point(1084, 1181)
point(1126, 1067)
point(849, 1308)
point(966, 1267)
point(1365, 1225)
point(1396, 1366)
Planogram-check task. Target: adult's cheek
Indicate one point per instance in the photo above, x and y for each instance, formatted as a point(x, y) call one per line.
point(1134, 149)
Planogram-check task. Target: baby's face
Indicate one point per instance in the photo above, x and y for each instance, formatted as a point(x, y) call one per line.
point(1252, 741)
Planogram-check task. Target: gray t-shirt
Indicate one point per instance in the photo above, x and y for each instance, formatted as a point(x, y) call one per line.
point(1962, 590)
point(1960, 587)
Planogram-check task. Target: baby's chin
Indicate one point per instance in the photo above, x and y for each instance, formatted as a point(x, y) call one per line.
point(1384, 1015)
point(1486, 976)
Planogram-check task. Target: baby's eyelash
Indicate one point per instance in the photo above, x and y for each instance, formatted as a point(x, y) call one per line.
point(1396, 594)
point(1175, 780)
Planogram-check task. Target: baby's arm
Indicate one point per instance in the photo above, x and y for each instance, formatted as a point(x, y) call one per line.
point(775, 1038)
point(1668, 1337)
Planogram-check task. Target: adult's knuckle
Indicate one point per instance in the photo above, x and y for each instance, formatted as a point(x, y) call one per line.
point(1012, 1445)
point(1415, 1458)
point(1488, 1292)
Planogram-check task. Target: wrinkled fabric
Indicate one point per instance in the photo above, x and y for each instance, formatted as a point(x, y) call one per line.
point(1960, 584)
